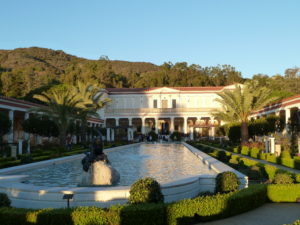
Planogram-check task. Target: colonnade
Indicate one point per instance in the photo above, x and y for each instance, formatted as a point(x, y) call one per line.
point(186, 125)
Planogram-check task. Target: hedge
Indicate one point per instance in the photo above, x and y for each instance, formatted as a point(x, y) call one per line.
point(245, 150)
point(247, 166)
point(204, 208)
point(283, 192)
point(255, 153)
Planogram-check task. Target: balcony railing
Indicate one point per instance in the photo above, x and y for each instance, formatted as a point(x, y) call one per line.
point(158, 110)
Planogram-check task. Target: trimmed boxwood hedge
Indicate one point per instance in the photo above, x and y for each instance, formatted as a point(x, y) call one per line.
point(204, 208)
point(283, 192)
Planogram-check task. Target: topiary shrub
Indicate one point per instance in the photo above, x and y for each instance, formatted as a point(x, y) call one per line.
point(255, 173)
point(176, 136)
point(245, 150)
point(283, 178)
point(4, 200)
point(153, 135)
point(297, 178)
point(271, 171)
point(254, 152)
point(226, 182)
point(221, 155)
point(285, 155)
point(145, 190)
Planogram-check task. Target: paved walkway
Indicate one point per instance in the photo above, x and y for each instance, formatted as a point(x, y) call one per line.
point(258, 160)
point(268, 214)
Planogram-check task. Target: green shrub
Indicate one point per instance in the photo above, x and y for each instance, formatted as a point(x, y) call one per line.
point(245, 150)
point(297, 222)
point(254, 152)
point(207, 208)
point(89, 215)
point(296, 163)
point(285, 155)
point(143, 214)
point(263, 156)
point(153, 135)
point(222, 156)
point(288, 162)
point(297, 178)
point(283, 178)
point(145, 190)
point(236, 149)
point(176, 136)
point(271, 158)
point(16, 216)
point(26, 158)
point(4, 200)
point(234, 159)
point(56, 216)
point(248, 162)
point(227, 182)
point(255, 173)
point(271, 171)
point(283, 192)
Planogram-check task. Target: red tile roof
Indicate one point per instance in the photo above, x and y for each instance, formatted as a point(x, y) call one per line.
point(143, 90)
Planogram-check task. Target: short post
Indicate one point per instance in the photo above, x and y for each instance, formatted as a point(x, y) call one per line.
point(267, 144)
point(68, 197)
point(20, 146)
point(272, 144)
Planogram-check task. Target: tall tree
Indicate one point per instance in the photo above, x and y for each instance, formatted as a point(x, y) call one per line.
point(62, 109)
point(238, 104)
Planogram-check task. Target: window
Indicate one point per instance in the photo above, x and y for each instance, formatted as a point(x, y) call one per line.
point(173, 103)
point(155, 103)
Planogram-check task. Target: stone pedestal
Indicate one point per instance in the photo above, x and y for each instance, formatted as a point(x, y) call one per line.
point(277, 150)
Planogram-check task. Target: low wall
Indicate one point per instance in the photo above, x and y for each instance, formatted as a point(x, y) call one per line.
point(31, 196)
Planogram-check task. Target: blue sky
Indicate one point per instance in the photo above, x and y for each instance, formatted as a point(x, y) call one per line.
point(255, 36)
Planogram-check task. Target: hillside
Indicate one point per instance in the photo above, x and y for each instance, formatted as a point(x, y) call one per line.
point(26, 71)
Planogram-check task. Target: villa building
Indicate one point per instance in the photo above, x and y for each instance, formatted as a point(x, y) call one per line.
point(188, 110)
point(136, 111)
point(287, 109)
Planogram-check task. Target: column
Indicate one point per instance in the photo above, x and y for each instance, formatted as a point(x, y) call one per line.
point(129, 130)
point(156, 125)
point(112, 137)
point(143, 125)
point(212, 128)
point(172, 125)
point(107, 134)
point(287, 117)
point(26, 135)
point(272, 144)
point(117, 122)
point(10, 136)
point(185, 125)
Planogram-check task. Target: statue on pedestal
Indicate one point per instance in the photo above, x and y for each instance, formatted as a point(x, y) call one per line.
point(97, 168)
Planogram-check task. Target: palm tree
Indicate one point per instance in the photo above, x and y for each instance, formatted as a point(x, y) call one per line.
point(62, 109)
point(91, 99)
point(237, 105)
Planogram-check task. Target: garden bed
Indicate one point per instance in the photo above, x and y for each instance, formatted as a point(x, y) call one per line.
point(188, 211)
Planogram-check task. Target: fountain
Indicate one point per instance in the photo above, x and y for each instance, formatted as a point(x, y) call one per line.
point(97, 169)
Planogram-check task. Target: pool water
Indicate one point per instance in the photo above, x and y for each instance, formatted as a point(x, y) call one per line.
point(164, 162)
